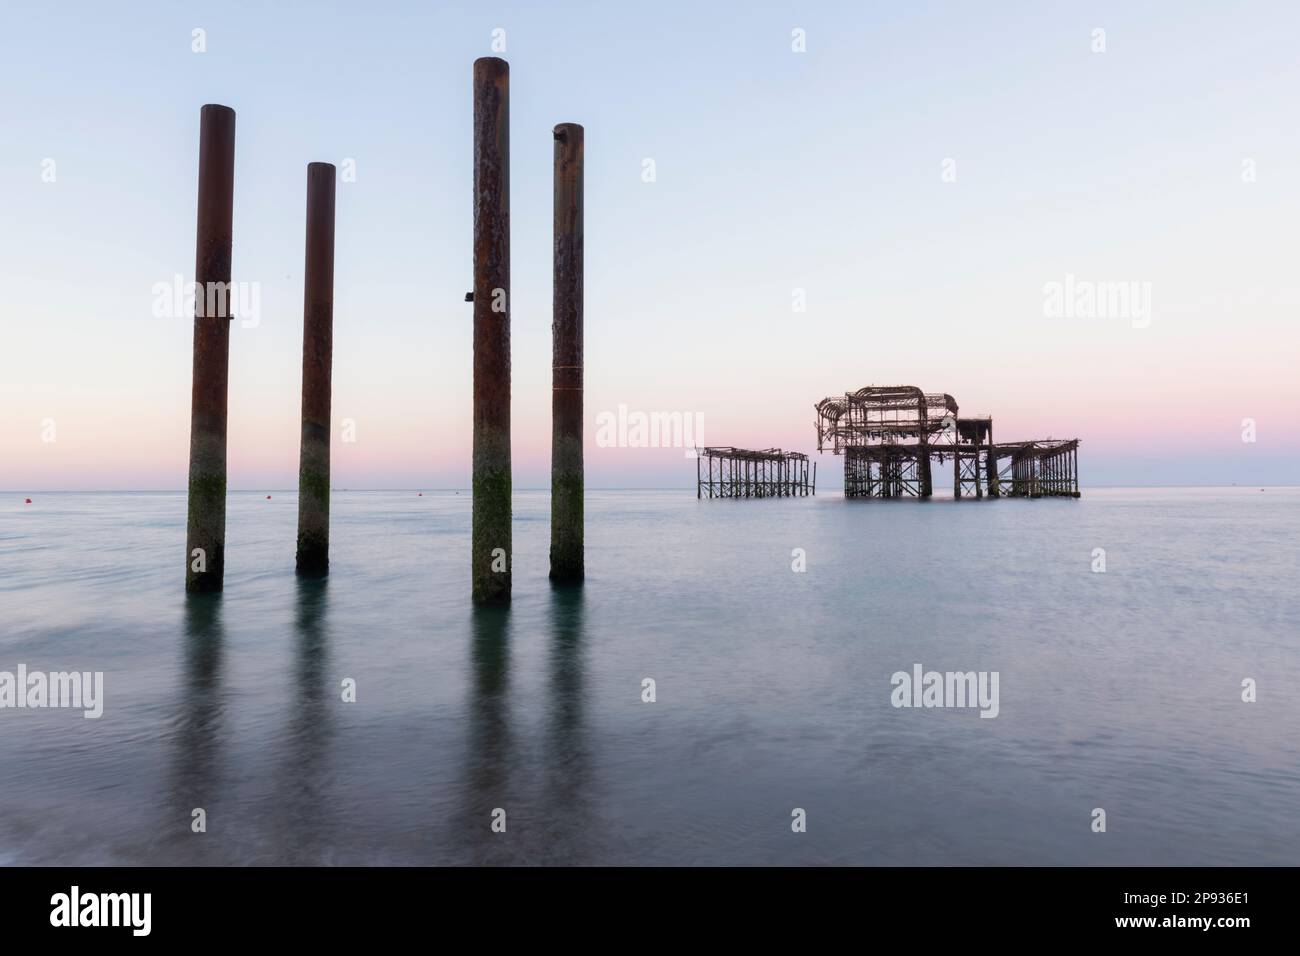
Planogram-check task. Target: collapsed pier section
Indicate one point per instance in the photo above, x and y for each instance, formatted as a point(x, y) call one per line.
point(729, 472)
point(1047, 468)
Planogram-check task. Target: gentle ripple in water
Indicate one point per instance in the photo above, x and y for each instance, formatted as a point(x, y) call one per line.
point(1119, 690)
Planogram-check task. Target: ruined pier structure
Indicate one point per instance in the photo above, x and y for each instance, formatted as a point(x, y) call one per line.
point(890, 435)
point(726, 472)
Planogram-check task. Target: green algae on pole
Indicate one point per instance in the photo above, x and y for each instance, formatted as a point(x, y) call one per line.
point(490, 538)
point(205, 537)
point(566, 362)
point(317, 359)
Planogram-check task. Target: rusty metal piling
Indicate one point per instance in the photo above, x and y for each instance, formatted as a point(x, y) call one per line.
point(205, 537)
point(566, 359)
point(490, 544)
point(313, 556)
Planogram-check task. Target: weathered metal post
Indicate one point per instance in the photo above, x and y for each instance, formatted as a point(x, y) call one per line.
point(490, 539)
point(924, 480)
point(991, 466)
point(566, 361)
point(317, 361)
point(205, 537)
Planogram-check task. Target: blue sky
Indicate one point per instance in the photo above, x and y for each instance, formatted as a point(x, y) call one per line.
point(775, 171)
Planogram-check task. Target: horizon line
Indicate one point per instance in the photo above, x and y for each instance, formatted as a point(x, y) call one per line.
point(421, 489)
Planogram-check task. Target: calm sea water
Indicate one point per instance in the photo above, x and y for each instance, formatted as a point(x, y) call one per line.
point(1119, 690)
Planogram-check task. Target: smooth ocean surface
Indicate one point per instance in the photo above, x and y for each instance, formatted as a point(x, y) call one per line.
point(1119, 690)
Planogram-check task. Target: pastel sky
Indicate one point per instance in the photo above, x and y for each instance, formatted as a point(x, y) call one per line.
point(1172, 158)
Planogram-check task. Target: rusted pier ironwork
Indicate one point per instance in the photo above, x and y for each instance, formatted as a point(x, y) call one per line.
point(889, 435)
point(727, 472)
point(884, 471)
point(1048, 468)
point(972, 475)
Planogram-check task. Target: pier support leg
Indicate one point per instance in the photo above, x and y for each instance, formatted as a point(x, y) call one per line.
point(991, 466)
point(566, 356)
point(317, 361)
point(490, 539)
point(205, 537)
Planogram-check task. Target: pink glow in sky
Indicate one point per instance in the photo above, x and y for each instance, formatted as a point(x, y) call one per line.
point(1142, 165)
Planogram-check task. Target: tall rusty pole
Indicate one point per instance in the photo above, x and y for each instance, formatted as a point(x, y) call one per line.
point(566, 360)
point(490, 544)
point(317, 361)
point(205, 537)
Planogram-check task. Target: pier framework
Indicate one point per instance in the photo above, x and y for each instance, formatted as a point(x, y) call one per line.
point(727, 472)
point(891, 435)
point(888, 435)
point(974, 463)
point(1047, 468)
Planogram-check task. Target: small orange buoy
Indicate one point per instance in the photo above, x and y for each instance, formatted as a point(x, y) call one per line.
point(28, 501)
point(268, 497)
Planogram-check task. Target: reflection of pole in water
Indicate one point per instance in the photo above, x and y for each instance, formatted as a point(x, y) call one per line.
point(310, 727)
point(566, 613)
point(568, 761)
point(489, 747)
point(202, 708)
point(197, 738)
